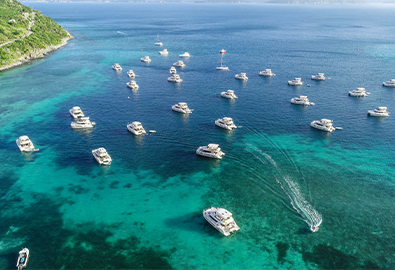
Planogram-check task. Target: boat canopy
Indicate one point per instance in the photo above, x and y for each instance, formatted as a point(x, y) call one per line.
point(326, 121)
point(213, 146)
point(227, 119)
point(230, 91)
point(382, 108)
point(223, 213)
point(361, 89)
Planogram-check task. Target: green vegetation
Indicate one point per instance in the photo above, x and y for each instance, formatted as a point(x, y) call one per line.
point(15, 19)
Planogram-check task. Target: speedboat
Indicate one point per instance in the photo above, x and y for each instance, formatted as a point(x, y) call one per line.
point(390, 83)
point(173, 70)
point(164, 52)
point(323, 124)
point(318, 77)
point(22, 259)
point(174, 78)
point(83, 122)
point(226, 123)
point(101, 155)
point(131, 74)
point(379, 111)
point(185, 55)
point(136, 128)
point(158, 43)
point(222, 66)
point(211, 151)
point(267, 73)
point(179, 63)
point(229, 94)
point(146, 59)
point(117, 67)
point(25, 144)
point(76, 112)
point(181, 107)
point(221, 219)
point(301, 100)
point(241, 76)
point(132, 84)
point(315, 227)
point(359, 92)
point(296, 82)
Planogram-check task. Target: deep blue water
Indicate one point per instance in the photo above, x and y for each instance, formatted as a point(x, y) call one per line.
point(278, 174)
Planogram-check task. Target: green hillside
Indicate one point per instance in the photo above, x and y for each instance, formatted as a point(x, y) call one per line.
point(15, 20)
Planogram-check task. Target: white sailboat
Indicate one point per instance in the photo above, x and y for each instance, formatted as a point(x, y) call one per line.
point(158, 43)
point(222, 66)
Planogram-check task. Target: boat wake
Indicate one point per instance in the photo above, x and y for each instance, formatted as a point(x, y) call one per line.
point(122, 33)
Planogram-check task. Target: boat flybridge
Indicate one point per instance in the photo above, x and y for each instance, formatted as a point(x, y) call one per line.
point(117, 67)
point(390, 83)
point(132, 85)
point(318, 77)
point(136, 128)
point(131, 74)
point(179, 63)
point(302, 100)
point(296, 82)
point(229, 94)
point(323, 124)
point(226, 123)
point(101, 156)
point(76, 112)
point(222, 66)
point(158, 43)
point(359, 92)
point(174, 78)
point(267, 73)
point(379, 111)
point(241, 76)
point(181, 107)
point(185, 55)
point(164, 52)
point(221, 219)
point(211, 151)
point(22, 258)
point(145, 59)
point(173, 70)
point(83, 122)
point(25, 144)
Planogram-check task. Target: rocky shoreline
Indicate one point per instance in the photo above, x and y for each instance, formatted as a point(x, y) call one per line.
point(37, 54)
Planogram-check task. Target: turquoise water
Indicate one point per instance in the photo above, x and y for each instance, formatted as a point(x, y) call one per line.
point(278, 174)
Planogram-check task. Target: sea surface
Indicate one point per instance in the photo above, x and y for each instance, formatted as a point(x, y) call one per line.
point(278, 177)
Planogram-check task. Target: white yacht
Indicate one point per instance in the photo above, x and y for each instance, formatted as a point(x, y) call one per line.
point(211, 151)
point(146, 59)
point(323, 124)
point(117, 67)
point(179, 63)
point(318, 77)
point(390, 83)
point(131, 74)
point(380, 111)
point(226, 123)
point(241, 76)
point(301, 100)
point(76, 112)
point(296, 81)
point(22, 258)
point(221, 219)
point(101, 155)
point(222, 66)
point(185, 55)
point(132, 84)
point(174, 78)
point(164, 52)
point(229, 94)
point(136, 128)
point(359, 92)
point(181, 107)
point(267, 73)
point(173, 70)
point(25, 144)
point(83, 122)
point(157, 42)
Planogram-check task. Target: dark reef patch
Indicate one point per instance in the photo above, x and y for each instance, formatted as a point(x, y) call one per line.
point(282, 249)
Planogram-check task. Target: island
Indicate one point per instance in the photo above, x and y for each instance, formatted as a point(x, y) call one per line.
point(26, 34)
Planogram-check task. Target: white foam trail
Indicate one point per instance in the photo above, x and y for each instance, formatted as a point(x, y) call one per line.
point(119, 32)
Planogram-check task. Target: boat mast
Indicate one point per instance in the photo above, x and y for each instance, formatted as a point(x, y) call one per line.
point(222, 55)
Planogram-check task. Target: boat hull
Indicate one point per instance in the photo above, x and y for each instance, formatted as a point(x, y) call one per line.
point(314, 125)
point(224, 126)
point(217, 155)
point(99, 160)
point(29, 148)
point(136, 132)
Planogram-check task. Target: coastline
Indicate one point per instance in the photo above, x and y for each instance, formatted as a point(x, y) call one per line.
point(37, 54)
